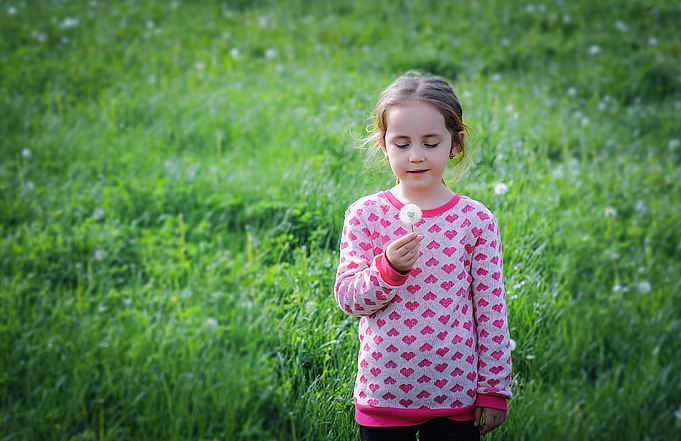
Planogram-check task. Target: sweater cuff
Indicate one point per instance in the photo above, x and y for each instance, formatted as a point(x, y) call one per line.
point(493, 401)
point(389, 274)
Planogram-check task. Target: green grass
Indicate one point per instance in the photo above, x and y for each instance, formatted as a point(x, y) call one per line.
point(174, 176)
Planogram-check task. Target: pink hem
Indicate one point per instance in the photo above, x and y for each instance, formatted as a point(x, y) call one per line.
point(426, 213)
point(387, 416)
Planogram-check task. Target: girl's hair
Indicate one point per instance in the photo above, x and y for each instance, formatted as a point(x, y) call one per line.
point(415, 85)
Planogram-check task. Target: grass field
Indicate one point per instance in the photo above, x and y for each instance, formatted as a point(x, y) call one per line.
point(174, 176)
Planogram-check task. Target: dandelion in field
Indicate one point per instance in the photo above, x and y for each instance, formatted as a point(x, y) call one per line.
point(270, 53)
point(644, 286)
point(500, 188)
point(38, 36)
point(100, 254)
point(652, 41)
point(529, 8)
point(262, 21)
point(641, 207)
point(150, 24)
point(69, 22)
point(311, 307)
point(26, 153)
point(496, 76)
point(200, 66)
point(234, 53)
point(505, 42)
point(410, 214)
point(558, 171)
point(621, 26)
point(279, 68)
point(29, 186)
point(571, 91)
point(98, 214)
point(11, 10)
point(610, 212)
point(567, 19)
point(513, 345)
point(211, 324)
point(594, 49)
point(618, 289)
point(530, 356)
point(674, 144)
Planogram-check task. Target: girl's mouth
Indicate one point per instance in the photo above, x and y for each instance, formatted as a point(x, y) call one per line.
point(420, 172)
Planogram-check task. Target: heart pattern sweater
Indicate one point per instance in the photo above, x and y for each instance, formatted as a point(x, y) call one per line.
point(433, 342)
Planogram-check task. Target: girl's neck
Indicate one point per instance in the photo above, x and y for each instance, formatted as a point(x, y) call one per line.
point(426, 199)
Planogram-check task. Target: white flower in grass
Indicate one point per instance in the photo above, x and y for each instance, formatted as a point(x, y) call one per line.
point(530, 356)
point(610, 212)
point(512, 344)
point(26, 153)
point(211, 323)
point(262, 21)
point(594, 50)
point(410, 214)
point(234, 52)
point(618, 289)
point(500, 188)
point(11, 10)
point(270, 53)
point(677, 414)
point(505, 42)
point(644, 286)
point(621, 26)
point(641, 207)
point(674, 144)
point(98, 214)
point(567, 18)
point(38, 36)
point(69, 22)
point(100, 254)
point(279, 68)
point(571, 91)
point(652, 41)
point(496, 76)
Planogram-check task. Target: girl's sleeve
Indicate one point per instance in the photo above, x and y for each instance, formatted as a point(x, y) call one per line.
point(489, 305)
point(365, 280)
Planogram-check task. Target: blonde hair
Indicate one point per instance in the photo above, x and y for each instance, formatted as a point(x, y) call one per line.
point(415, 85)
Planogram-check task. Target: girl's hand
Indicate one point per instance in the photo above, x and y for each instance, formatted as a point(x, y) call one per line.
point(403, 252)
point(493, 418)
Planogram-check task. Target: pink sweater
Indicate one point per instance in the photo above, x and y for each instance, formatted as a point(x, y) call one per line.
point(434, 342)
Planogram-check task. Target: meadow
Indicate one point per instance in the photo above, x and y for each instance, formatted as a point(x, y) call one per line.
point(173, 178)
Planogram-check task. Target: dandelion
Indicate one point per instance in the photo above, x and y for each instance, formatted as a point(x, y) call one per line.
point(594, 50)
point(571, 91)
point(644, 286)
point(211, 324)
point(513, 345)
point(270, 53)
point(410, 214)
point(505, 42)
point(558, 171)
point(200, 65)
point(610, 212)
point(621, 26)
point(496, 76)
point(641, 207)
point(618, 289)
point(262, 21)
point(279, 68)
point(100, 254)
point(98, 214)
point(234, 53)
point(69, 22)
point(674, 144)
point(38, 36)
point(26, 153)
point(652, 41)
point(567, 19)
point(500, 188)
point(530, 356)
point(11, 10)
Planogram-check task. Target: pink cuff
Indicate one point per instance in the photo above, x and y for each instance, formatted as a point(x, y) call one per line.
point(390, 275)
point(493, 401)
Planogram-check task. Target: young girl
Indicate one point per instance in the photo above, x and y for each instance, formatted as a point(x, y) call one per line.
point(434, 353)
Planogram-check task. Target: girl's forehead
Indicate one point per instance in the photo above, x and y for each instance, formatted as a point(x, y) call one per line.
point(414, 117)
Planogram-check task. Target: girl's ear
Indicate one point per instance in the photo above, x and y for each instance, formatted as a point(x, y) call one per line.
point(381, 142)
point(456, 147)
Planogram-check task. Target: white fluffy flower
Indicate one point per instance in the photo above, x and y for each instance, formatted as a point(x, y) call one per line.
point(410, 214)
point(512, 344)
point(500, 188)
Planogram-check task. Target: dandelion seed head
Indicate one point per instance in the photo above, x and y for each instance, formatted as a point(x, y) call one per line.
point(11, 10)
point(594, 49)
point(211, 323)
point(674, 144)
point(644, 286)
point(652, 41)
point(69, 22)
point(100, 254)
point(621, 26)
point(410, 214)
point(26, 153)
point(513, 344)
point(610, 212)
point(571, 91)
point(270, 53)
point(98, 214)
point(234, 53)
point(500, 188)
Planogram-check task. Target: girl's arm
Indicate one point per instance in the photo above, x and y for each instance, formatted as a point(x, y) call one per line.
point(489, 306)
point(365, 281)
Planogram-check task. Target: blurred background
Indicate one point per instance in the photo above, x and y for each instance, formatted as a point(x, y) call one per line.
point(173, 178)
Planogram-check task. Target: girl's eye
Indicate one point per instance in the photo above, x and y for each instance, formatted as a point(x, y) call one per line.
point(432, 145)
point(401, 146)
point(405, 145)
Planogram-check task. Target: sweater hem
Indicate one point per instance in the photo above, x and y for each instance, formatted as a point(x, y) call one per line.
point(390, 416)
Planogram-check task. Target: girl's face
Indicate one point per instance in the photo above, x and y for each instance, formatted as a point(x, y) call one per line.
point(416, 139)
